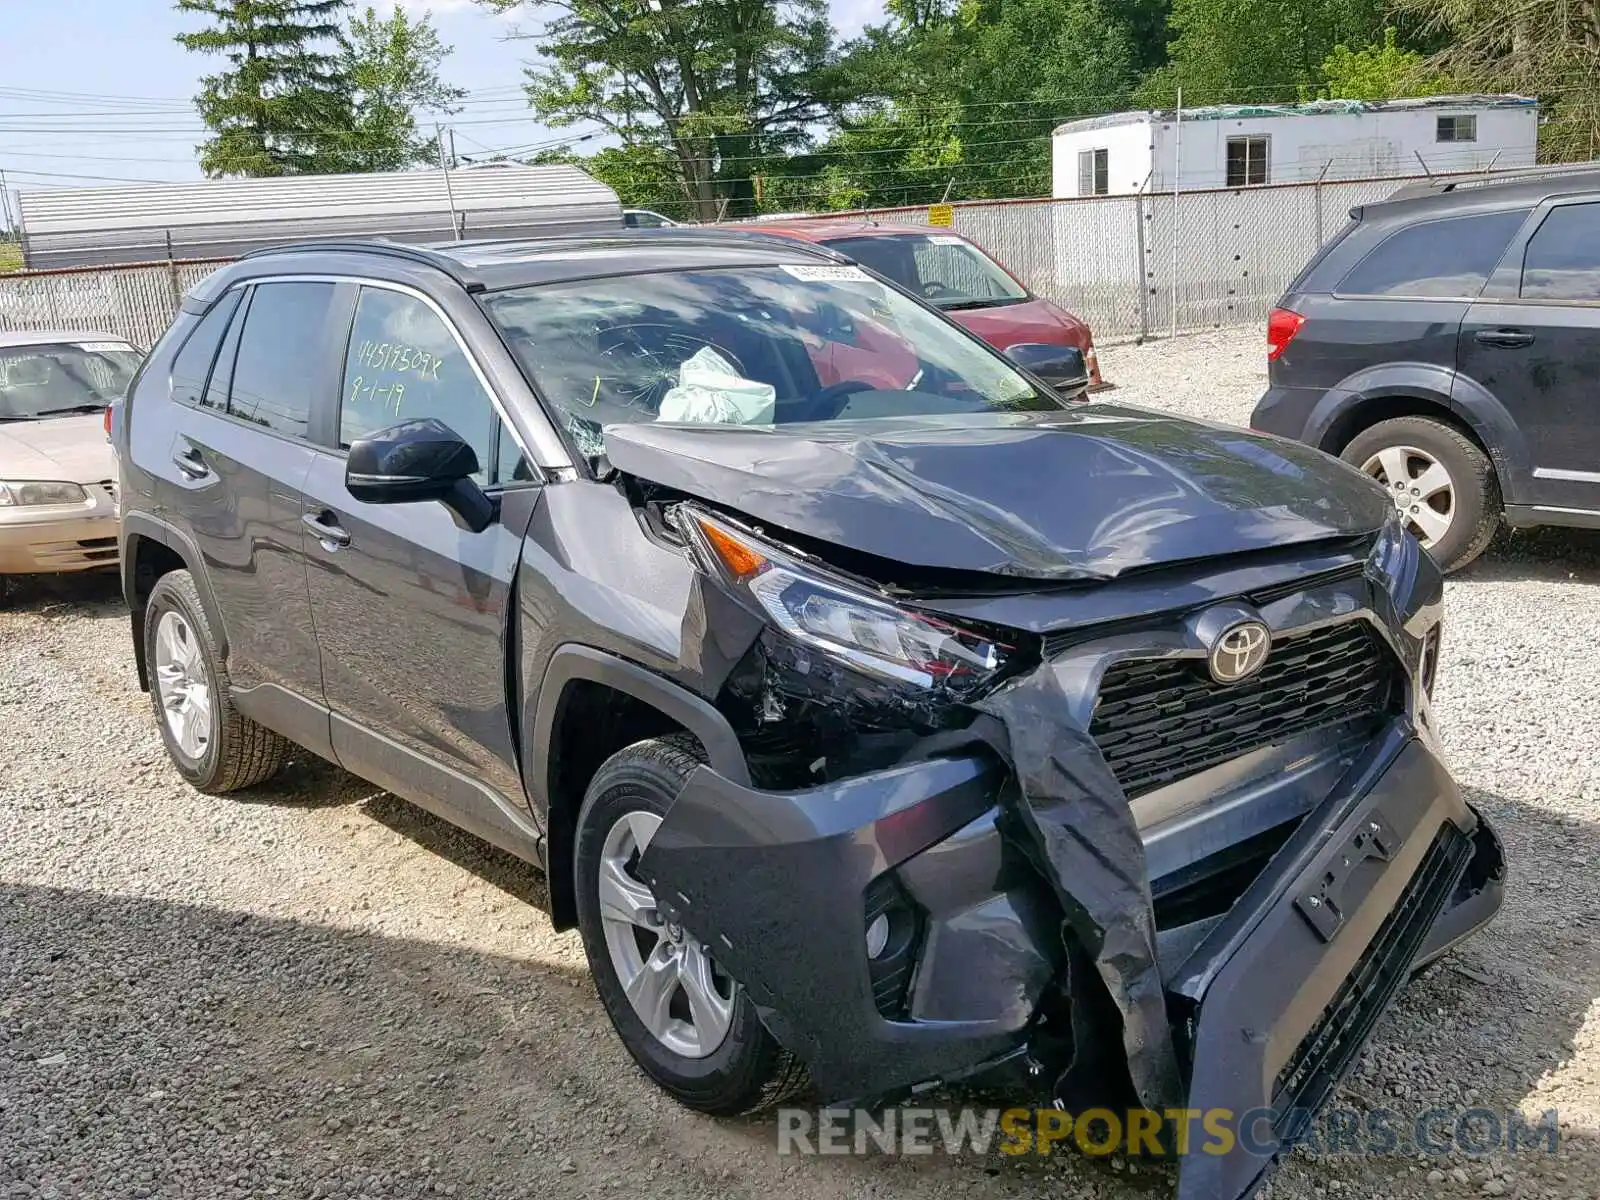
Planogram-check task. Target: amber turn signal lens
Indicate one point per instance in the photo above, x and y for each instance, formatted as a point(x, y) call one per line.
point(740, 560)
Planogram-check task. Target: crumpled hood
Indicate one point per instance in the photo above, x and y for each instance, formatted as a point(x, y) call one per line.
point(69, 449)
point(1089, 492)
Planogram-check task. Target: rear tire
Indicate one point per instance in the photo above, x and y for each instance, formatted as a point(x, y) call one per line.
point(214, 746)
point(1439, 481)
point(735, 1066)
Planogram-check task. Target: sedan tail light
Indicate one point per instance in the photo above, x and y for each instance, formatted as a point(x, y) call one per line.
point(1282, 325)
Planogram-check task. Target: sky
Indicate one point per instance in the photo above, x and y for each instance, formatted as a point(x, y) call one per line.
point(107, 99)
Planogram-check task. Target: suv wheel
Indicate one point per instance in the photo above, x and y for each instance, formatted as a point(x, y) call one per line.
point(1438, 479)
point(687, 1024)
point(214, 746)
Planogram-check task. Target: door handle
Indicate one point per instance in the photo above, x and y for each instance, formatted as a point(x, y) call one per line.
point(1505, 339)
point(326, 528)
point(191, 463)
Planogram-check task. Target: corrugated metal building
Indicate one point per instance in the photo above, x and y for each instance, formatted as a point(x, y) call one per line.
point(222, 218)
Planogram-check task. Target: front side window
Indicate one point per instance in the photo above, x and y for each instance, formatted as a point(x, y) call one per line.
point(57, 379)
point(1457, 129)
point(1452, 257)
point(1247, 161)
point(1563, 257)
point(760, 346)
point(947, 271)
point(277, 370)
point(404, 364)
point(1094, 171)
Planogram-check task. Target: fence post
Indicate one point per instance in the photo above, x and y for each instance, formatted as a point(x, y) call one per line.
point(1317, 191)
point(1141, 274)
point(1177, 166)
point(172, 277)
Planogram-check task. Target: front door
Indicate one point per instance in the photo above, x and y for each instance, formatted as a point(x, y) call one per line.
point(1537, 350)
point(413, 612)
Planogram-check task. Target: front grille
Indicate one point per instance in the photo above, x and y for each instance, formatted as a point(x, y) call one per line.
point(1330, 1048)
point(1161, 720)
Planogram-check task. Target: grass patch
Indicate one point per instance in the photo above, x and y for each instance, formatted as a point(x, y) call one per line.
point(10, 256)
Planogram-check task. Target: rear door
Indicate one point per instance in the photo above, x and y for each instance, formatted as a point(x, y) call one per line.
point(413, 611)
point(232, 479)
point(1533, 342)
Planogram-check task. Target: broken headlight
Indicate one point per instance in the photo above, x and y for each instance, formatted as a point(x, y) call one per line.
point(838, 618)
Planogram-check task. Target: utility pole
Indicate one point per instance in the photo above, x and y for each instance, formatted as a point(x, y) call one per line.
point(5, 205)
point(449, 192)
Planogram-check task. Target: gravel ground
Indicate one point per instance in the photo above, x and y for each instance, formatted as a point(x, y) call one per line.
point(318, 990)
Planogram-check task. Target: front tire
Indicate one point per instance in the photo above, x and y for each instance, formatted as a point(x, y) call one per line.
point(1439, 481)
point(214, 746)
point(689, 1027)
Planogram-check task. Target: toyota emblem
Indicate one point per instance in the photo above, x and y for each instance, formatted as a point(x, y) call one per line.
point(1240, 652)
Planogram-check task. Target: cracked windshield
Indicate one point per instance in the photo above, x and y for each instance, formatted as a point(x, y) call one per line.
point(775, 345)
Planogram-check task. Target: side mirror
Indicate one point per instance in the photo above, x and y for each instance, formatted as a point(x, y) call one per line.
point(419, 460)
point(414, 460)
point(1062, 367)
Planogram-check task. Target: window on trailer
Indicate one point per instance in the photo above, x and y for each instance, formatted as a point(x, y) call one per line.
point(1247, 161)
point(1094, 172)
point(1458, 129)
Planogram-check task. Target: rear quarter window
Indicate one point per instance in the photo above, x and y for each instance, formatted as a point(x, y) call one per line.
point(1452, 256)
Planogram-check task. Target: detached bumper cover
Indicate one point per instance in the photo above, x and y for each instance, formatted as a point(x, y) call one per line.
point(1271, 1007)
point(1280, 997)
point(776, 885)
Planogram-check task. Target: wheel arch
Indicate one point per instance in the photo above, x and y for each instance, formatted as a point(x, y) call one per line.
point(1392, 390)
point(609, 703)
point(150, 549)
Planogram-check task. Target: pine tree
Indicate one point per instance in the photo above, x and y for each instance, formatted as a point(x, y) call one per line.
point(279, 107)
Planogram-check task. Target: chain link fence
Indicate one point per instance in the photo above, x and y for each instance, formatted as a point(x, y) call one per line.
point(1154, 264)
point(135, 302)
point(1131, 266)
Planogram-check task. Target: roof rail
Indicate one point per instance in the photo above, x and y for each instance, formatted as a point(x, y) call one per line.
point(1441, 184)
point(717, 233)
point(701, 234)
point(411, 253)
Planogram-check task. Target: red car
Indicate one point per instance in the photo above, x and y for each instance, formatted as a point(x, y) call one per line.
point(955, 275)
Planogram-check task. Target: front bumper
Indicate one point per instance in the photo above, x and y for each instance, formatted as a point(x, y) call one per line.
point(1273, 999)
point(68, 537)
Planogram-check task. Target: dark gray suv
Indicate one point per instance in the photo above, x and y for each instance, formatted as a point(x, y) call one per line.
point(881, 716)
point(1447, 343)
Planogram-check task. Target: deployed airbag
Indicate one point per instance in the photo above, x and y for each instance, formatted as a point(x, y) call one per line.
point(710, 391)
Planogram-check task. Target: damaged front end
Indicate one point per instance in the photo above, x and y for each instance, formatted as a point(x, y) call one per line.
point(1099, 865)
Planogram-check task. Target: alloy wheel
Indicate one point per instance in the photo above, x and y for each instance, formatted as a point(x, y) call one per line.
point(1419, 487)
point(182, 685)
point(676, 989)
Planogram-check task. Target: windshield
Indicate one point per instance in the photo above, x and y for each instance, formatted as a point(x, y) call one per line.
point(58, 378)
point(754, 346)
point(946, 271)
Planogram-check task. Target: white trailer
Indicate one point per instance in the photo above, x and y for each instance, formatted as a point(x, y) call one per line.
point(1227, 146)
point(223, 218)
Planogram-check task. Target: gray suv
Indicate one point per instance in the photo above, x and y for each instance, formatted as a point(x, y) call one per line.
point(881, 716)
point(1446, 343)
